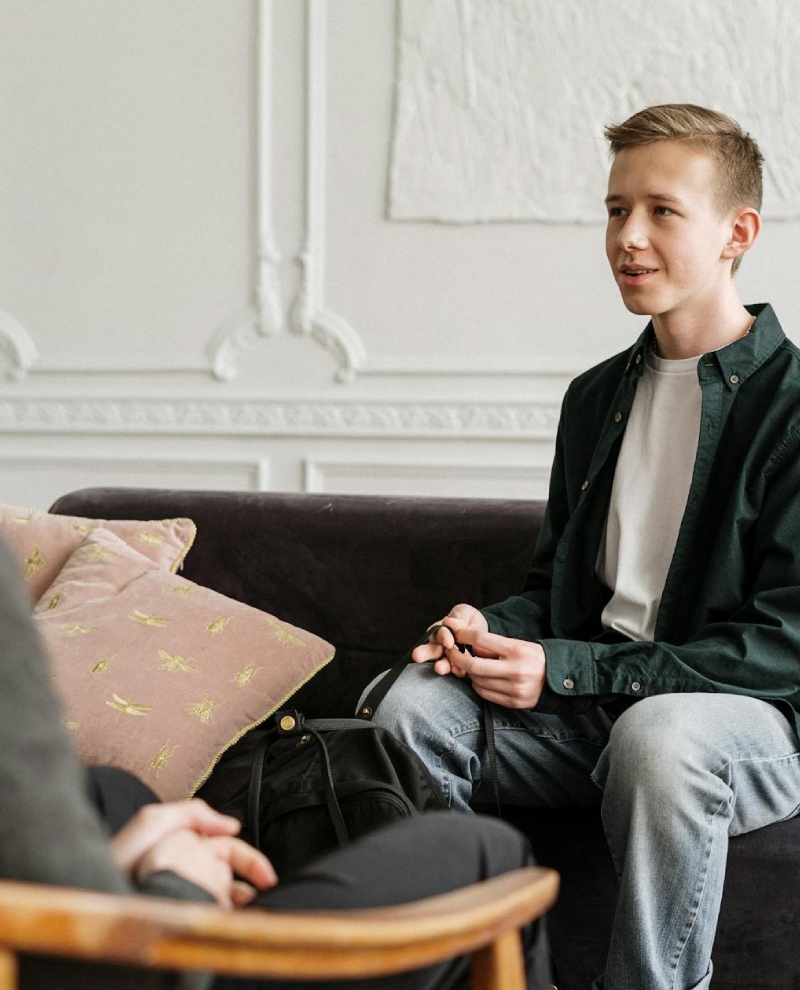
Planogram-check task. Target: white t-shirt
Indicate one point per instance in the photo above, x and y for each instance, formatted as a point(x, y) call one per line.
point(648, 497)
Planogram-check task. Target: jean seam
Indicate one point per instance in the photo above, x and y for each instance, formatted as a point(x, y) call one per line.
point(699, 892)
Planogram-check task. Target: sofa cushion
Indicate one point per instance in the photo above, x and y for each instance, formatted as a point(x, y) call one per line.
point(42, 542)
point(158, 675)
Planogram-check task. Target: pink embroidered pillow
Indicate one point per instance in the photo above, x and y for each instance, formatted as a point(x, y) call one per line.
point(42, 542)
point(159, 675)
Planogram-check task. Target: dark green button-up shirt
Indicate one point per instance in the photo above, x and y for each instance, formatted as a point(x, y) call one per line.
point(729, 618)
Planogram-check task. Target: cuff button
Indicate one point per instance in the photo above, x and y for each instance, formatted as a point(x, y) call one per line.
point(568, 683)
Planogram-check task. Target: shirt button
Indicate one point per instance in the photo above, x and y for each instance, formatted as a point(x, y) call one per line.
point(584, 486)
point(734, 379)
point(636, 686)
point(617, 417)
point(568, 683)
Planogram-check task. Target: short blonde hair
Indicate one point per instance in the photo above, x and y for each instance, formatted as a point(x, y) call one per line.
point(737, 158)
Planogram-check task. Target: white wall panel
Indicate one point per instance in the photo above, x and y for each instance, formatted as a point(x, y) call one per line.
point(444, 478)
point(200, 284)
point(36, 481)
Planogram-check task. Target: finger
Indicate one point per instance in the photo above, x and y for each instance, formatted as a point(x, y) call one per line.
point(443, 667)
point(427, 652)
point(242, 893)
point(442, 634)
point(249, 864)
point(482, 639)
point(206, 820)
point(482, 667)
point(463, 612)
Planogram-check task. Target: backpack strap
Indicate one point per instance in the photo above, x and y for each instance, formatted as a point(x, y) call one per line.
point(370, 704)
point(254, 788)
point(314, 727)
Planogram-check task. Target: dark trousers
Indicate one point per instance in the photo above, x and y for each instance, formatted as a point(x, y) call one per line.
point(419, 857)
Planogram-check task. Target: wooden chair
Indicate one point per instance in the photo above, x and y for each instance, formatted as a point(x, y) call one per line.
point(482, 920)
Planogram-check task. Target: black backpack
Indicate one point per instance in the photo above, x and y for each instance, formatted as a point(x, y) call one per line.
point(317, 784)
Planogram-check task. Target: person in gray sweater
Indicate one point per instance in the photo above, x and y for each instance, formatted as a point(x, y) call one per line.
point(56, 825)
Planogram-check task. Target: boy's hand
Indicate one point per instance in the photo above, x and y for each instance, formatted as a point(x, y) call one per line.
point(441, 646)
point(508, 672)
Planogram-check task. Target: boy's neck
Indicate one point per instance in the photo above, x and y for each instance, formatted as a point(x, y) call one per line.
point(684, 335)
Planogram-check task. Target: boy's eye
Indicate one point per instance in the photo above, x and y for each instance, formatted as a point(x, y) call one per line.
point(616, 211)
point(662, 211)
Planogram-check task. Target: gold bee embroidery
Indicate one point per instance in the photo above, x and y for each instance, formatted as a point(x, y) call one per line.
point(81, 528)
point(184, 589)
point(128, 707)
point(218, 624)
point(95, 552)
point(67, 723)
point(284, 635)
point(160, 760)
point(103, 664)
point(203, 710)
point(147, 619)
point(174, 664)
point(54, 602)
point(155, 539)
point(73, 629)
point(33, 562)
point(244, 677)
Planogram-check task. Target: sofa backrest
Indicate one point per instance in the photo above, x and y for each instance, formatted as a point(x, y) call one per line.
point(367, 573)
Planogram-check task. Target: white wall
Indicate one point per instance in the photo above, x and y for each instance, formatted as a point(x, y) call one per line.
point(199, 285)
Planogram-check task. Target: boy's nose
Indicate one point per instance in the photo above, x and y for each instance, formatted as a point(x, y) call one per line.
point(633, 235)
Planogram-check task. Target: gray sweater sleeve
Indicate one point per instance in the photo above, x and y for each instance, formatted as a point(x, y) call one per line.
point(49, 831)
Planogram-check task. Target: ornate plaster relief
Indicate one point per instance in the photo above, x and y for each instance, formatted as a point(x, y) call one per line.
point(500, 104)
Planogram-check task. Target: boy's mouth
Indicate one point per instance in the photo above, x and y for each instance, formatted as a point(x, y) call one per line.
point(631, 275)
point(634, 271)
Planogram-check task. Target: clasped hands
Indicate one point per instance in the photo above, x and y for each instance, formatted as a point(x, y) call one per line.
point(196, 842)
point(508, 672)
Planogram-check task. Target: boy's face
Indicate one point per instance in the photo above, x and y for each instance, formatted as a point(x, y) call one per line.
point(666, 236)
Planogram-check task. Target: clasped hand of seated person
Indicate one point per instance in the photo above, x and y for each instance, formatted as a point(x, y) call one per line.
point(508, 672)
point(197, 843)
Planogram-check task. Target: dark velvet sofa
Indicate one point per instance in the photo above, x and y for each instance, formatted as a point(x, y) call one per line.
point(369, 574)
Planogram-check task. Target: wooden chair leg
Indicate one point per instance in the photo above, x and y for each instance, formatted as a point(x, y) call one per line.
point(499, 966)
point(8, 970)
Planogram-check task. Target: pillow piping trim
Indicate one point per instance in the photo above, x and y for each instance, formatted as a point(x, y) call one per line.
point(177, 564)
point(260, 721)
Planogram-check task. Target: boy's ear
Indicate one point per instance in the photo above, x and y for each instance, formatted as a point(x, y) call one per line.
point(745, 227)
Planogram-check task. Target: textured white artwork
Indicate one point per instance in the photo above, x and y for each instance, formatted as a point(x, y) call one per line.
point(500, 104)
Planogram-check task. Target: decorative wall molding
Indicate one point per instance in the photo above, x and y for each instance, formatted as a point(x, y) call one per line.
point(265, 318)
point(265, 315)
point(463, 420)
point(17, 346)
point(309, 315)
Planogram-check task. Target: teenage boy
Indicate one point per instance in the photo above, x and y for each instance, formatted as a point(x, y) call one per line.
point(651, 664)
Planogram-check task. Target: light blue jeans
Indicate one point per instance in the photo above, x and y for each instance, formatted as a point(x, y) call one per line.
point(675, 776)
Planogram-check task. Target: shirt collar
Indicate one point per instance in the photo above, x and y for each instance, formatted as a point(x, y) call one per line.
point(738, 360)
point(741, 358)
